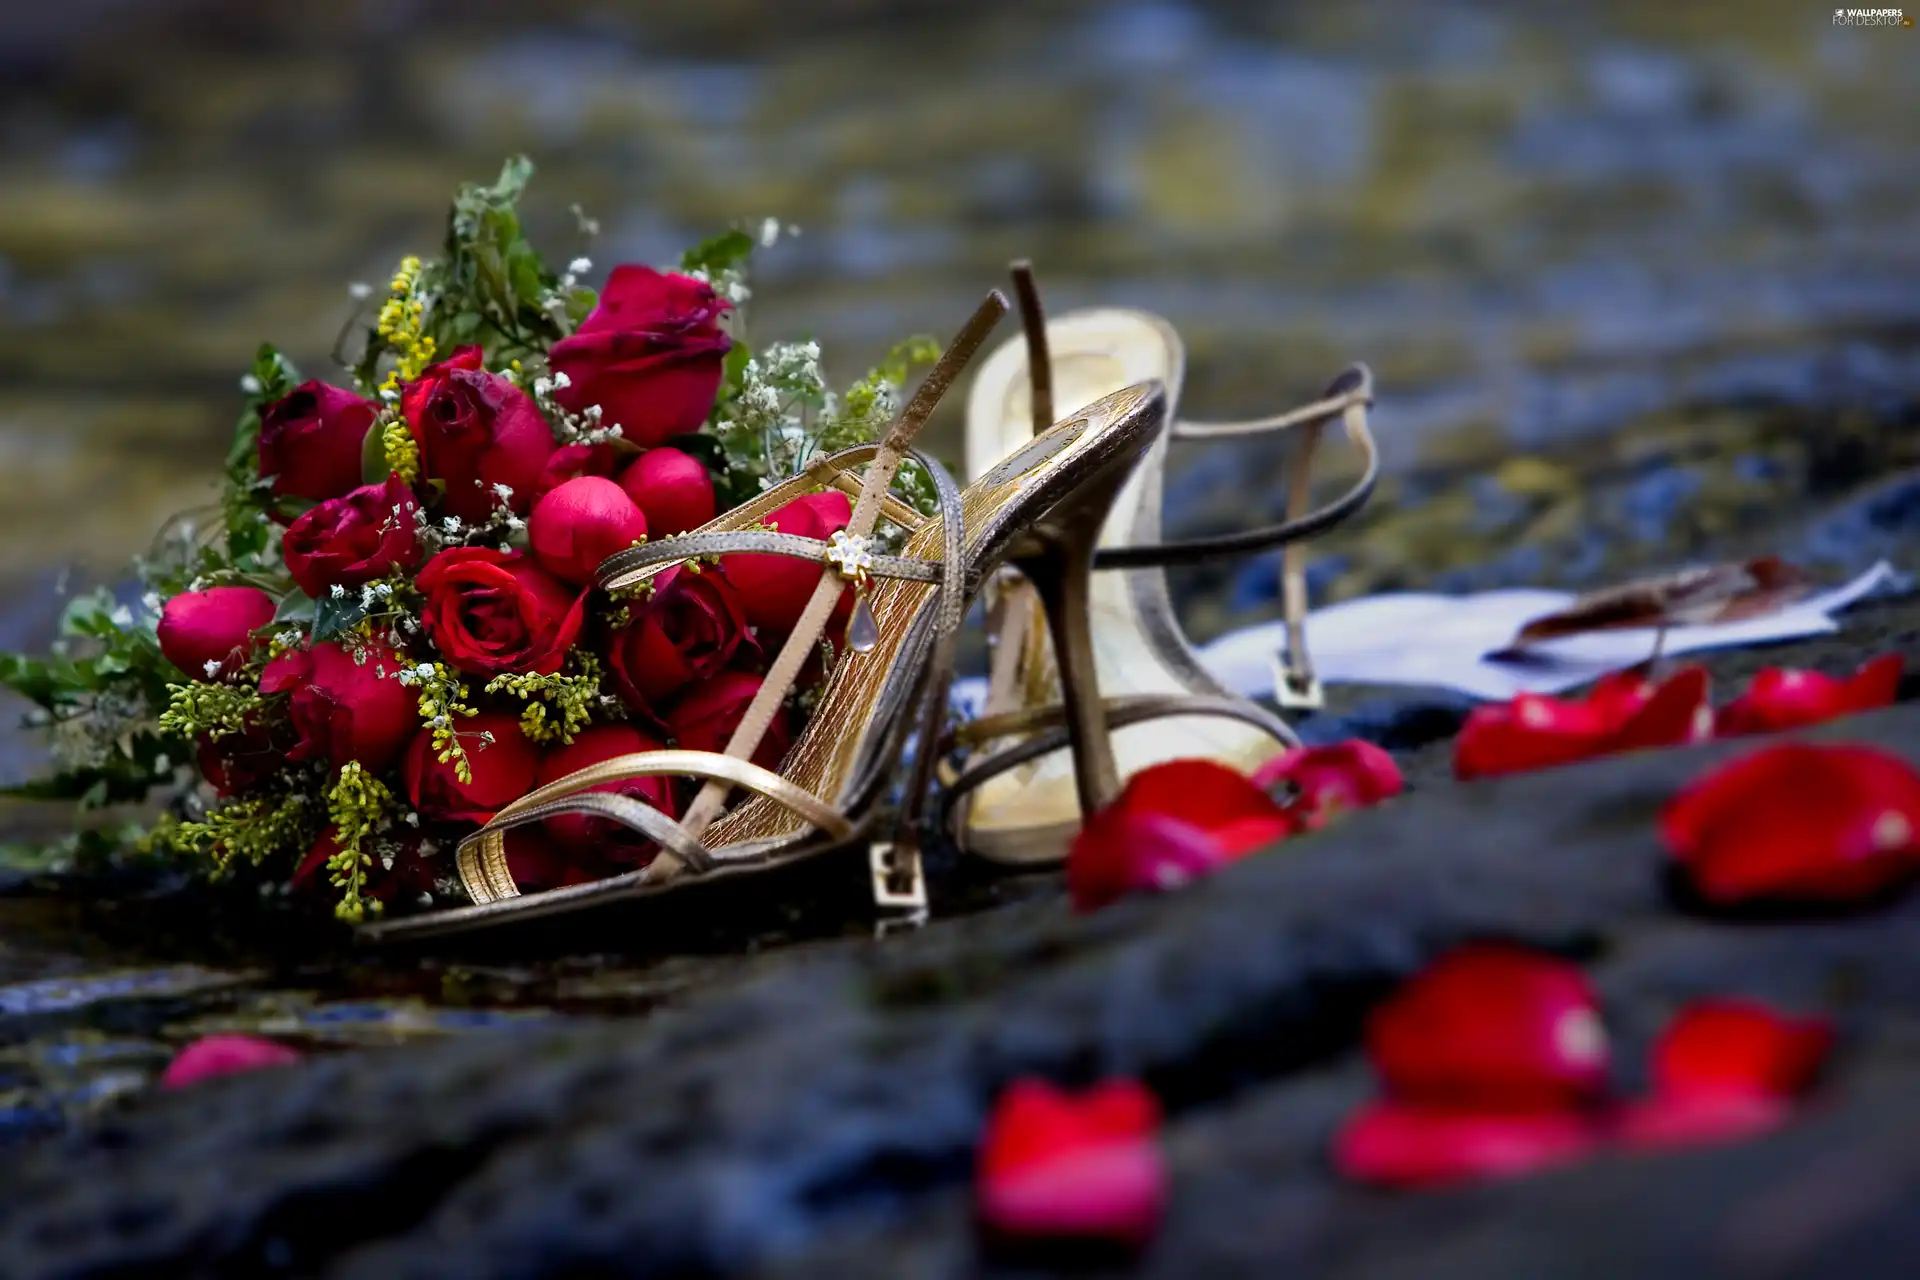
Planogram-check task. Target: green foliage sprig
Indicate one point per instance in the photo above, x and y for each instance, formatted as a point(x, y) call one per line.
point(571, 696)
point(358, 804)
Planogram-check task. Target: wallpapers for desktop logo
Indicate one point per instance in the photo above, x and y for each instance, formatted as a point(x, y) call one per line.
point(1871, 18)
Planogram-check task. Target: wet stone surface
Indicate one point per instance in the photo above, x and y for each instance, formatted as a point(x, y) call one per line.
point(1639, 285)
point(813, 1110)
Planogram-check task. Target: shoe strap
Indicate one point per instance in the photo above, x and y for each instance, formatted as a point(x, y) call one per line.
point(482, 858)
point(1347, 399)
point(1047, 727)
point(887, 457)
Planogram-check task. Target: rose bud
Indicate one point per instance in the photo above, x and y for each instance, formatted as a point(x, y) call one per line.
point(776, 588)
point(580, 524)
point(651, 355)
point(398, 869)
point(571, 461)
point(492, 612)
point(500, 771)
point(310, 441)
point(353, 540)
point(706, 717)
point(673, 489)
point(476, 431)
point(690, 629)
point(208, 634)
point(344, 710)
point(585, 832)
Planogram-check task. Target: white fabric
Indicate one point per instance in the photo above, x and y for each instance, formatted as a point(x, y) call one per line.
point(1413, 638)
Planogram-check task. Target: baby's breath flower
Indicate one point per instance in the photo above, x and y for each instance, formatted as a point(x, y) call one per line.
point(250, 384)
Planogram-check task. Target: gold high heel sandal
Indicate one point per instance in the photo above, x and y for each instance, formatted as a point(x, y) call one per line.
point(1012, 796)
point(1031, 507)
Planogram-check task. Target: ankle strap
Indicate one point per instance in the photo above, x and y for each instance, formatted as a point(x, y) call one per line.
point(1347, 398)
point(1050, 721)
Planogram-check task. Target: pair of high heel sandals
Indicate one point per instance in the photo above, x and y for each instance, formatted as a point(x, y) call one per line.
point(1091, 678)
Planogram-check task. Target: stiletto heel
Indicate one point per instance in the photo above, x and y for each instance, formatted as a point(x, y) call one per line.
point(1060, 570)
point(1146, 669)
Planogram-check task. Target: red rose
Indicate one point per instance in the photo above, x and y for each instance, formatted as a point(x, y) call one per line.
point(354, 539)
point(710, 712)
point(208, 634)
point(476, 430)
point(493, 611)
point(776, 588)
point(500, 771)
point(310, 441)
point(585, 833)
point(571, 461)
point(688, 631)
point(673, 490)
point(580, 524)
point(344, 710)
point(651, 355)
point(398, 869)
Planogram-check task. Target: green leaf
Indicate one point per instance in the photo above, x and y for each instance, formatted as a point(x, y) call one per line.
point(297, 607)
point(334, 614)
point(718, 253)
point(374, 468)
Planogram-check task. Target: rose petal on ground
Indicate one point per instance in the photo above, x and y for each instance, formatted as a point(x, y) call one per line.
point(1054, 1165)
point(1720, 1046)
point(1170, 824)
point(1678, 710)
point(1798, 822)
point(1490, 1027)
point(1399, 1145)
point(1202, 792)
point(1119, 853)
point(1696, 1119)
point(1785, 698)
point(1622, 712)
point(224, 1055)
point(1326, 779)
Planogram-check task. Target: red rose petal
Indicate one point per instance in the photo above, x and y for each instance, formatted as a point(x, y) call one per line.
point(1399, 1145)
point(1678, 710)
point(1798, 822)
point(1119, 853)
point(1204, 793)
point(1341, 775)
point(1053, 1165)
point(224, 1055)
point(1736, 1046)
point(1621, 713)
point(1170, 824)
point(1782, 698)
point(1492, 1028)
point(1695, 1119)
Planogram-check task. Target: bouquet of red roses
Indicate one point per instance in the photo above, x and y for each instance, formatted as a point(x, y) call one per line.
point(391, 632)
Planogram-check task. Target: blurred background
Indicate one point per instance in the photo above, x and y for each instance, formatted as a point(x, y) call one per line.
point(1640, 281)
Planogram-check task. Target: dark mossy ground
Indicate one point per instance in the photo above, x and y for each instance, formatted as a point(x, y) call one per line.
point(1638, 282)
point(812, 1110)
